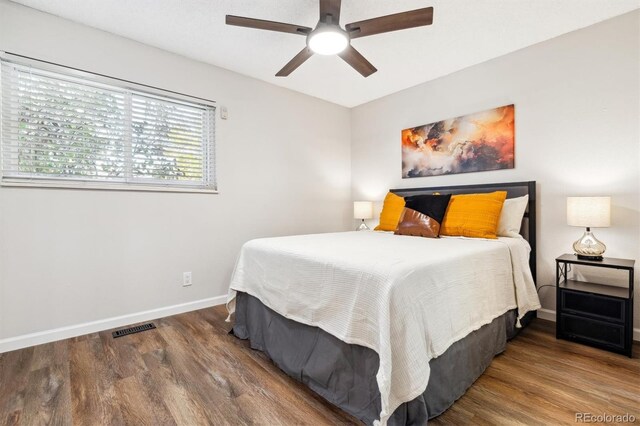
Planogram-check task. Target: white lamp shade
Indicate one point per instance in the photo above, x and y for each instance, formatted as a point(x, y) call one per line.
point(362, 210)
point(589, 212)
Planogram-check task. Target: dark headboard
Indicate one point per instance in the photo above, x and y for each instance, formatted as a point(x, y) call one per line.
point(514, 189)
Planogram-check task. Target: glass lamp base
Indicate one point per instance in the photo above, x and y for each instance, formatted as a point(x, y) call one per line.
point(588, 247)
point(363, 227)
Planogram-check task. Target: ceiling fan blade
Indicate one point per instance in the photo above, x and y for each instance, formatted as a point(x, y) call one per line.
point(395, 22)
point(357, 61)
point(297, 60)
point(261, 24)
point(330, 7)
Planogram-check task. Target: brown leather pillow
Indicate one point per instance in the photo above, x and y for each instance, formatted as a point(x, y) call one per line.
point(423, 215)
point(412, 222)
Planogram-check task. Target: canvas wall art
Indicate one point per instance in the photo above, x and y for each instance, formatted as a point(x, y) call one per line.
point(472, 143)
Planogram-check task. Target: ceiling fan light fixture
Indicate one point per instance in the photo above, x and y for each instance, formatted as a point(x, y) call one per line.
point(327, 40)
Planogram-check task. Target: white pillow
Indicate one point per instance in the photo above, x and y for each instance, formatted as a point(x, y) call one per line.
point(511, 216)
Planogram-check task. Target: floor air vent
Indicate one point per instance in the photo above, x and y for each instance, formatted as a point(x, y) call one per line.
point(131, 330)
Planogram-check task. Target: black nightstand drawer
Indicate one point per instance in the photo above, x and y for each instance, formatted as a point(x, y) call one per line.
point(593, 331)
point(594, 305)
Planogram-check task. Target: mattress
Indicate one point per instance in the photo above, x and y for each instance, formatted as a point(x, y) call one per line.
point(406, 298)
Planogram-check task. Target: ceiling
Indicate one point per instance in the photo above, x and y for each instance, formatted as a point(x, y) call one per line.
point(464, 33)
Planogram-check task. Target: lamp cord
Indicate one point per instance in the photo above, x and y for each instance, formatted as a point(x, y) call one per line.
point(553, 285)
point(568, 269)
point(543, 286)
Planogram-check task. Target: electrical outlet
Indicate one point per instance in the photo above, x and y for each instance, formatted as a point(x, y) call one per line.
point(186, 279)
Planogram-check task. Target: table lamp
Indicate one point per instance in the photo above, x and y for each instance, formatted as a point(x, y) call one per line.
point(589, 212)
point(362, 210)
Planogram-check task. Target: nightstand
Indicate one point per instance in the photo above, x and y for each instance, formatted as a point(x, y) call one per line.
point(597, 315)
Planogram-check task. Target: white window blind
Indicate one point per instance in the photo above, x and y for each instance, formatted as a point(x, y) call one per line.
point(57, 127)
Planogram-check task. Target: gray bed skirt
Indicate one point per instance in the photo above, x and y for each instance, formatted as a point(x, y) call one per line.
point(345, 374)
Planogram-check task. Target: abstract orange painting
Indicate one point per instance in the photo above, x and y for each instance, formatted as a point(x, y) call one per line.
point(472, 143)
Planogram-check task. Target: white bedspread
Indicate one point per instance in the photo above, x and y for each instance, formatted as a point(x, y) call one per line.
point(407, 298)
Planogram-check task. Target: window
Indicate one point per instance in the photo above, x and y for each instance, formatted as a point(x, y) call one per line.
point(64, 130)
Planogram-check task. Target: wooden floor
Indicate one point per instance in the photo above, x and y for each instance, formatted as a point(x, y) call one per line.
point(189, 371)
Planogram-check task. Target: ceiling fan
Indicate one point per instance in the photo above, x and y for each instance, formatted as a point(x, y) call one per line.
point(328, 38)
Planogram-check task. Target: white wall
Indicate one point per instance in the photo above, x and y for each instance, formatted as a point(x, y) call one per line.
point(577, 100)
point(72, 256)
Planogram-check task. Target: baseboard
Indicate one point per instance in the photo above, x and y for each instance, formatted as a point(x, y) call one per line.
point(24, 341)
point(548, 314)
point(32, 339)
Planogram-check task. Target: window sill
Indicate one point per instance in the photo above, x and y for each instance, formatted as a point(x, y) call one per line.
point(102, 186)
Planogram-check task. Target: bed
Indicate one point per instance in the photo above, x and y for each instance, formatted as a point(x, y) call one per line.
point(392, 329)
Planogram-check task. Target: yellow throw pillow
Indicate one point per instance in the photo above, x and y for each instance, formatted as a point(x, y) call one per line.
point(473, 215)
point(391, 211)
